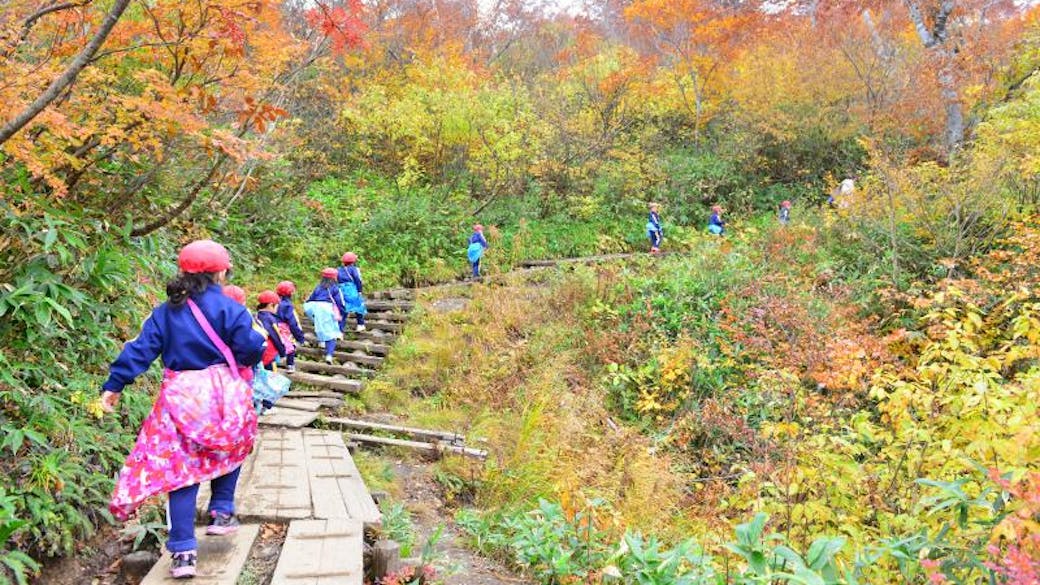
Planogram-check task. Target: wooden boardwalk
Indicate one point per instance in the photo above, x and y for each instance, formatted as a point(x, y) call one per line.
point(303, 477)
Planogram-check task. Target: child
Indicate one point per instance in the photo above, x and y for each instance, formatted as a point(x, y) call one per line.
point(715, 223)
point(326, 308)
point(288, 323)
point(266, 308)
point(477, 245)
point(653, 229)
point(235, 293)
point(203, 425)
point(349, 278)
point(785, 212)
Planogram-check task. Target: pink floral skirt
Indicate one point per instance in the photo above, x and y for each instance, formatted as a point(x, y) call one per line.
point(202, 426)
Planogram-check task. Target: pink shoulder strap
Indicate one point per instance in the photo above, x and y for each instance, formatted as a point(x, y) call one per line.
point(217, 341)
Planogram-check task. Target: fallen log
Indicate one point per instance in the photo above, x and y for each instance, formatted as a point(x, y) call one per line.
point(439, 436)
point(435, 448)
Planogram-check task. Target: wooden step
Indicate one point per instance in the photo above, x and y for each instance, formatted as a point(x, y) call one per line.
point(394, 293)
point(340, 356)
point(332, 369)
point(377, 337)
point(221, 558)
point(394, 327)
point(287, 417)
point(338, 383)
point(375, 305)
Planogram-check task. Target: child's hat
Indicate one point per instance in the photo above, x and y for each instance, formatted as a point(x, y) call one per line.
point(285, 288)
point(349, 258)
point(329, 273)
point(478, 228)
point(716, 208)
point(235, 293)
point(267, 297)
point(785, 203)
point(203, 256)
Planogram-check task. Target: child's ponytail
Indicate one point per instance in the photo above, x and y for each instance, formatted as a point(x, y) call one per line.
point(188, 284)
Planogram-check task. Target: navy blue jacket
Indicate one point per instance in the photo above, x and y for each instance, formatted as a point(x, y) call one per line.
point(478, 238)
point(174, 334)
point(287, 314)
point(350, 273)
point(655, 218)
point(716, 220)
point(329, 295)
point(269, 321)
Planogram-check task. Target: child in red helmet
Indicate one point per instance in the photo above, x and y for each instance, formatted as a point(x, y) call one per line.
point(785, 212)
point(266, 315)
point(326, 308)
point(203, 424)
point(350, 284)
point(288, 322)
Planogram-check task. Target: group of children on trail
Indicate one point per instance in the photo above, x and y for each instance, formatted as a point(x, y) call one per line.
point(204, 420)
point(716, 225)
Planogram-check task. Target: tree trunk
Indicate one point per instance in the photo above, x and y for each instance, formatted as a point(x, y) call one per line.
point(67, 78)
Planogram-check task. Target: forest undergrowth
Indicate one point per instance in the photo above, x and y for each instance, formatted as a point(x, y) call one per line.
point(734, 415)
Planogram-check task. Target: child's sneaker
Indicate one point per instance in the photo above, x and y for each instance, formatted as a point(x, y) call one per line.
point(328, 359)
point(360, 328)
point(221, 524)
point(184, 565)
point(290, 369)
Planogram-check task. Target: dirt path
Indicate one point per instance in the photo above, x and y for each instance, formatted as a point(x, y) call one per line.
point(422, 496)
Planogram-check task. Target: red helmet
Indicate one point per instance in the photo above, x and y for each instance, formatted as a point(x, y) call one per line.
point(329, 273)
point(285, 288)
point(349, 258)
point(203, 256)
point(478, 228)
point(235, 293)
point(785, 203)
point(716, 208)
point(267, 297)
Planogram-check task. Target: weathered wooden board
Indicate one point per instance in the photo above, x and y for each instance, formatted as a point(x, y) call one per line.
point(337, 489)
point(321, 552)
point(276, 487)
point(332, 382)
point(221, 558)
point(296, 403)
point(288, 417)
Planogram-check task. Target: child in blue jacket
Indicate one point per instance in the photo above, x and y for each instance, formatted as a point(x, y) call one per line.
point(266, 316)
point(327, 309)
point(288, 322)
point(715, 223)
point(653, 229)
point(350, 285)
point(475, 251)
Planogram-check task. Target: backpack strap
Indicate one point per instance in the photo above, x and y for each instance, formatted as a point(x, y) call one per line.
point(217, 341)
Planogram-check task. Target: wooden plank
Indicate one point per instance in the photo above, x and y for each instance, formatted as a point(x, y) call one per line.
point(332, 382)
point(221, 558)
point(288, 417)
point(437, 448)
point(336, 484)
point(341, 356)
point(321, 552)
point(275, 488)
point(411, 431)
point(350, 370)
point(295, 403)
